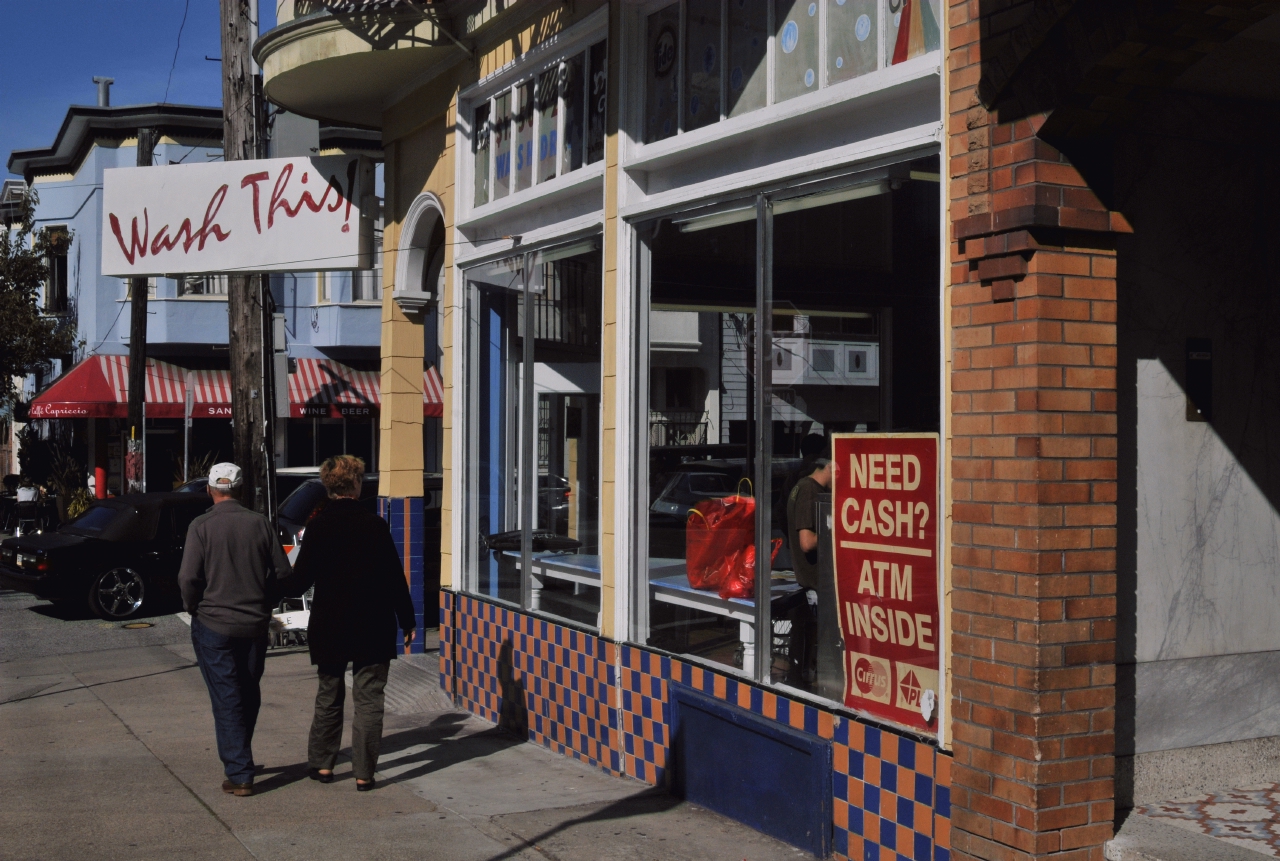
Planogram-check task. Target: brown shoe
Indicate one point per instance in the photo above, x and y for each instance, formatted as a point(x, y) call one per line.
point(240, 790)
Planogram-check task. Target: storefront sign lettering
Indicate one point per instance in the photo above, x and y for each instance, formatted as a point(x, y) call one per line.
point(278, 215)
point(885, 535)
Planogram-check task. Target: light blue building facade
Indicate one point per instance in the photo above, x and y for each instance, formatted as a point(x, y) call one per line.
point(327, 316)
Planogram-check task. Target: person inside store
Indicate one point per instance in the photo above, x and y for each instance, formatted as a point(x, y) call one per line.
point(802, 534)
point(361, 597)
point(27, 491)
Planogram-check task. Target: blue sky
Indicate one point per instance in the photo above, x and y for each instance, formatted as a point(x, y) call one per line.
point(52, 51)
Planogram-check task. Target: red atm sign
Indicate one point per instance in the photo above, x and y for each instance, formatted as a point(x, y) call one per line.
point(885, 529)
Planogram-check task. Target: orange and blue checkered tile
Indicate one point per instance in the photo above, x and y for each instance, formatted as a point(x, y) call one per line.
point(607, 704)
point(566, 681)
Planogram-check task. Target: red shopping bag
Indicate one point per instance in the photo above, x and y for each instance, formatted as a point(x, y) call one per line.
point(717, 531)
point(741, 579)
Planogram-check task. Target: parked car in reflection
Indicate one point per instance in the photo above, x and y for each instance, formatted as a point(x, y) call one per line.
point(677, 490)
point(118, 557)
point(288, 479)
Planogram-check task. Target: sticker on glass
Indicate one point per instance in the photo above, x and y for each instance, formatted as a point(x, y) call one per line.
point(735, 78)
point(664, 51)
point(862, 29)
point(813, 9)
point(839, 62)
point(790, 37)
point(709, 59)
point(808, 78)
point(694, 104)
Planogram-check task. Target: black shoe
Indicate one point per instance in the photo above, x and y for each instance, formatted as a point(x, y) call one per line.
point(323, 778)
point(364, 787)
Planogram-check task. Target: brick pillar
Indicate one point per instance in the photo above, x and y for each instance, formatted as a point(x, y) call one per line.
point(1033, 311)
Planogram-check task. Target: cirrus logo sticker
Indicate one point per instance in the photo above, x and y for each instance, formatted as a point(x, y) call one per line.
point(871, 677)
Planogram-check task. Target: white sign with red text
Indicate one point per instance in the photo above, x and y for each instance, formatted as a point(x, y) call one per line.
point(264, 215)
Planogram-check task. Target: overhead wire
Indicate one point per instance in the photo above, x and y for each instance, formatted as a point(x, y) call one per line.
point(186, 6)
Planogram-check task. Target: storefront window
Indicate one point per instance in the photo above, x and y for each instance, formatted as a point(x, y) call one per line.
point(852, 28)
point(687, 71)
point(796, 39)
point(742, 408)
point(912, 29)
point(535, 440)
point(480, 154)
point(702, 63)
point(554, 117)
point(748, 39)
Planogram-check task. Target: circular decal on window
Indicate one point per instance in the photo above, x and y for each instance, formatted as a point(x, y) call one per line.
point(735, 78)
point(664, 52)
point(839, 62)
point(862, 29)
point(840, 2)
point(813, 9)
point(790, 37)
point(694, 104)
point(709, 59)
point(897, 19)
point(808, 78)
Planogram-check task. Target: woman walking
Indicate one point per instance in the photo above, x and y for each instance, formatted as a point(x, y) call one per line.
point(360, 598)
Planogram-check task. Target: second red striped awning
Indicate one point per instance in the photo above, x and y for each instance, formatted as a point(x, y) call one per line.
point(324, 388)
point(98, 387)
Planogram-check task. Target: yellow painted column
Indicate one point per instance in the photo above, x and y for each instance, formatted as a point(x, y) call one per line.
point(449, 577)
point(610, 579)
point(400, 423)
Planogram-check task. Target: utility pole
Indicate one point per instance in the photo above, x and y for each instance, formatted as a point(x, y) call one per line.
point(135, 468)
point(248, 302)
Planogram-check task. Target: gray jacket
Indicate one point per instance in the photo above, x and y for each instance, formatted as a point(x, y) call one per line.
point(230, 566)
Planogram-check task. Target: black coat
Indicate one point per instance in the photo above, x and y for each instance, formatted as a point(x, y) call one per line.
point(361, 592)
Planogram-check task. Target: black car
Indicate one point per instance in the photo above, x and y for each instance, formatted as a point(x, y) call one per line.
point(119, 556)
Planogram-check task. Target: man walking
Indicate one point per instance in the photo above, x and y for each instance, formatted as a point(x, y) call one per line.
point(229, 569)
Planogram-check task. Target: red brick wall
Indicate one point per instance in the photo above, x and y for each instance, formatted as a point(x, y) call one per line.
point(1033, 310)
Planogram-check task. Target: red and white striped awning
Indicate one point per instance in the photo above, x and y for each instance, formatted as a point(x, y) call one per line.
point(325, 388)
point(432, 393)
point(98, 387)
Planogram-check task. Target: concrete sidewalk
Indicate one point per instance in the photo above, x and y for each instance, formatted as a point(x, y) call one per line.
point(109, 753)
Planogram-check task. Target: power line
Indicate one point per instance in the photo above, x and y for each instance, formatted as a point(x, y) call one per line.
point(185, 6)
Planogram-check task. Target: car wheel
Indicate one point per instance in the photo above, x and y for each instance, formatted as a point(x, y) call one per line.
point(117, 594)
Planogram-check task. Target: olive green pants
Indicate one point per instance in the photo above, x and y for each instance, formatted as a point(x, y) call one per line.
point(368, 684)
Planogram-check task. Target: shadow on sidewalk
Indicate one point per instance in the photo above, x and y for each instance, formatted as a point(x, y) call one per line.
point(647, 802)
point(447, 747)
point(442, 729)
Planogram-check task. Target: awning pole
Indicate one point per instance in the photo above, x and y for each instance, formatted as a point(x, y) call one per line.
point(186, 428)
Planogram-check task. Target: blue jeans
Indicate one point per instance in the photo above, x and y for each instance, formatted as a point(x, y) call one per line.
point(232, 668)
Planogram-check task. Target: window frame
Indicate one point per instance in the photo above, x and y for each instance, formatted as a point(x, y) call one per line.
point(526, 444)
point(639, 154)
point(764, 198)
point(57, 293)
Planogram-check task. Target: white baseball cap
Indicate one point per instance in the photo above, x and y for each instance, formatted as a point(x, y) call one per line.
point(225, 476)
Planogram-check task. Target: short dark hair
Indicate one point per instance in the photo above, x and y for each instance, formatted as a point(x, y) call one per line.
point(342, 475)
